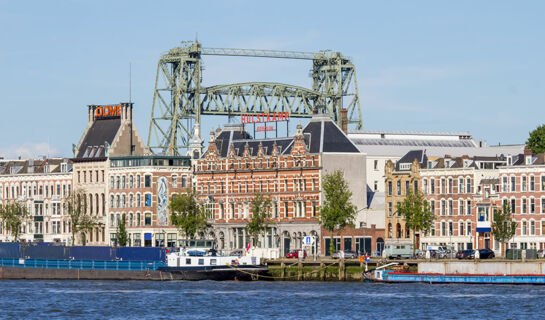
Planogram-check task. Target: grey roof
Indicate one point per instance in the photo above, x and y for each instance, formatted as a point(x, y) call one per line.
point(101, 131)
point(414, 143)
point(419, 155)
point(321, 134)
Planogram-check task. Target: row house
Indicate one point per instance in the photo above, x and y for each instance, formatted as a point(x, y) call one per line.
point(463, 195)
point(288, 171)
point(42, 187)
point(522, 184)
point(141, 187)
point(109, 133)
point(401, 178)
point(465, 192)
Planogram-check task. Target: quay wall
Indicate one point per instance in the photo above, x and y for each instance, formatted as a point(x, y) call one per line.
point(483, 267)
point(17, 273)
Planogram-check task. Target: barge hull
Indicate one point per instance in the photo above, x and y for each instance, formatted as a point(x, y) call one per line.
point(462, 278)
point(18, 273)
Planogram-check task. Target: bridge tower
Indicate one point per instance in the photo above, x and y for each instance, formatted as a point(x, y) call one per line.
point(179, 100)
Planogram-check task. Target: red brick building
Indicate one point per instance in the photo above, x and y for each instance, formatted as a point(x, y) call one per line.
point(287, 170)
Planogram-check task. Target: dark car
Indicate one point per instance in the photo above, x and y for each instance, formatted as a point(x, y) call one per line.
point(486, 254)
point(294, 254)
point(465, 254)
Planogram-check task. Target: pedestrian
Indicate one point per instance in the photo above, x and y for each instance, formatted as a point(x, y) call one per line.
point(477, 255)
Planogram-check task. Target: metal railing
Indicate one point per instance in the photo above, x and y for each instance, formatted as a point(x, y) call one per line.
point(83, 264)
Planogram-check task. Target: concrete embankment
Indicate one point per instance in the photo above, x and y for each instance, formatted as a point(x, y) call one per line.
point(324, 270)
point(81, 274)
point(483, 267)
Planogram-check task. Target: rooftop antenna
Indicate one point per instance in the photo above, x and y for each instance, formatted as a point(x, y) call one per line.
point(130, 82)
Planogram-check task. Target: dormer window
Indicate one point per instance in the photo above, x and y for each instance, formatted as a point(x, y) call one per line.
point(528, 160)
point(64, 167)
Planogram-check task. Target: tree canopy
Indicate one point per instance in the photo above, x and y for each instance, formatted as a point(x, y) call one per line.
point(503, 226)
point(536, 140)
point(13, 216)
point(260, 216)
point(337, 211)
point(122, 237)
point(416, 212)
point(188, 215)
point(76, 206)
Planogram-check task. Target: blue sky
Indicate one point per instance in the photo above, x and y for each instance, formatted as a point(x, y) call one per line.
point(421, 65)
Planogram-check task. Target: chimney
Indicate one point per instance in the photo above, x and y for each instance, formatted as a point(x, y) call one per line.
point(91, 113)
point(344, 120)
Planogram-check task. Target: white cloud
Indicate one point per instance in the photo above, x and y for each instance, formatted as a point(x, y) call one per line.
point(29, 150)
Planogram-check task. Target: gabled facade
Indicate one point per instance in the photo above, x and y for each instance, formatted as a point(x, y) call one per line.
point(288, 171)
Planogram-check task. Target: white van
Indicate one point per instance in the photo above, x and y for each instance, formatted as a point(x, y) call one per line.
point(398, 251)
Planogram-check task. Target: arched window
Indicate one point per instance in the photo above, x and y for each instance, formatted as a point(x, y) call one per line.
point(111, 201)
point(118, 201)
point(138, 200)
point(124, 200)
point(131, 219)
point(130, 181)
point(461, 229)
point(131, 200)
point(524, 228)
point(138, 219)
point(532, 227)
point(123, 182)
point(138, 181)
point(147, 219)
point(117, 182)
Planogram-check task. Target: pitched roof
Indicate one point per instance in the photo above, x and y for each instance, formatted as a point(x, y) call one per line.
point(101, 131)
point(321, 134)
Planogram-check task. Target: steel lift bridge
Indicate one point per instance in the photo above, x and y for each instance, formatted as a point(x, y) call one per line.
point(179, 100)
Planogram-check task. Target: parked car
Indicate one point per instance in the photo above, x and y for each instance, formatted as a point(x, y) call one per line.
point(294, 254)
point(465, 254)
point(344, 254)
point(486, 254)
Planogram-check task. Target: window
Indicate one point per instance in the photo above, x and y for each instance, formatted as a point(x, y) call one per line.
point(461, 185)
point(432, 206)
point(390, 209)
point(111, 201)
point(131, 181)
point(443, 228)
point(532, 205)
point(399, 188)
point(124, 200)
point(461, 231)
point(375, 186)
point(389, 188)
point(524, 205)
point(542, 183)
point(117, 182)
point(468, 211)
point(147, 200)
point(123, 182)
point(513, 184)
point(450, 228)
point(450, 208)
point(131, 200)
point(461, 207)
point(184, 182)
point(407, 187)
point(504, 186)
point(425, 186)
point(415, 186)
point(523, 183)
point(375, 165)
point(138, 204)
point(532, 183)
point(543, 207)
point(147, 219)
point(468, 228)
point(443, 207)
point(468, 182)
point(138, 181)
point(147, 181)
point(532, 227)
point(524, 228)
point(117, 202)
point(174, 181)
point(513, 205)
point(432, 186)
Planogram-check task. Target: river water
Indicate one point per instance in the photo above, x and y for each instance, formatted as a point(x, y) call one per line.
point(265, 300)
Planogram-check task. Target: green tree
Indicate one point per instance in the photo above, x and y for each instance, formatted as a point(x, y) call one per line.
point(81, 223)
point(416, 212)
point(337, 211)
point(260, 217)
point(536, 140)
point(188, 215)
point(13, 216)
point(503, 226)
point(122, 237)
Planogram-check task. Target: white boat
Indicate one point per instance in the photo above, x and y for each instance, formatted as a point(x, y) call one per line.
point(206, 264)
